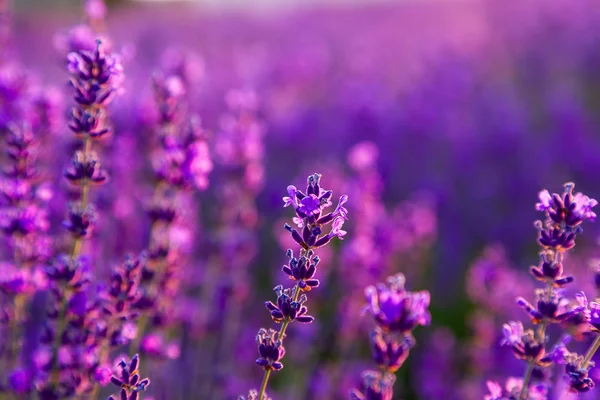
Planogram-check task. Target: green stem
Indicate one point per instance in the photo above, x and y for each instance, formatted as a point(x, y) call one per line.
point(592, 350)
point(524, 390)
point(265, 381)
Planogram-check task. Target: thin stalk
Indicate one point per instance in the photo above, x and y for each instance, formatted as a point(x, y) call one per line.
point(591, 351)
point(524, 390)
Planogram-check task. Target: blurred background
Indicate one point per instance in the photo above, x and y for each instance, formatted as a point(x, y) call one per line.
point(442, 120)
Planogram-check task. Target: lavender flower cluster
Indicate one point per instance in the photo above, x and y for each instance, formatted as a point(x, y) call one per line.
point(564, 214)
point(138, 192)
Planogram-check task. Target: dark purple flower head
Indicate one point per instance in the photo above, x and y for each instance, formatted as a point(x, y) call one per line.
point(557, 239)
point(288, 308)
point(129, 379)
point(564, 216)
point(88, 122)
point(375, 387)
point(303, 270)
point(579, 381)
point(270, 349)
point(512, 390)
point(553, 308)
point(550, 270)
point(395, 309)
point(81, 220)
point(124, 291)
point(390, 350)
point(309, 208)
point(85, 168)
point(567, 210)
point(95, 76)
point(73, 273)
point(524, 343)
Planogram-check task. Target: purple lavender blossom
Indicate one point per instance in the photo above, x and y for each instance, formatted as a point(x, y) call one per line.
point(390, 352)
point(395, 309)
point(129, 380)
point(270, 349)
point(524, 344)
point(375, 387)
point(396, 313)
point(551, 270)
point(287, 308)
point(309, 207)
point(550, 308)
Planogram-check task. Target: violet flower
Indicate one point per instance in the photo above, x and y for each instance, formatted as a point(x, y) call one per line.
point(395, 309)
point(376, 386)
point(564, 215)
point(290, 307)
point(181, 163)
point(129, 380)
point(396, 313)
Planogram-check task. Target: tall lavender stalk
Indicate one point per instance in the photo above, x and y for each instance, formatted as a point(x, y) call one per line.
point(564, 214)
point(290, 305)
point(95, 77)
point(396, 313)
point(181, 164)
point(239, 152)
point(23, 219)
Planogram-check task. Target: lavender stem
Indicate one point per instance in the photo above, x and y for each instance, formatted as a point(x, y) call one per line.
point(592, 350)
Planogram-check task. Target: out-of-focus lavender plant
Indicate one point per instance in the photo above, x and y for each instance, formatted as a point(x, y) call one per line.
point(23, 219)
point(72, 336)
point(396, 313)
point(310, 218)
point(383, 238)
point(239, 152)
point(181, 163)
point(556, 236)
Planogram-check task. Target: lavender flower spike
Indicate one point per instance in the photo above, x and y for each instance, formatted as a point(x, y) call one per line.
point(396, 310)
point(290, 306)
point(375, 387)
point(129, 380)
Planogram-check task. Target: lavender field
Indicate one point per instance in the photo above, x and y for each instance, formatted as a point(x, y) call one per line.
point(368, 201)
